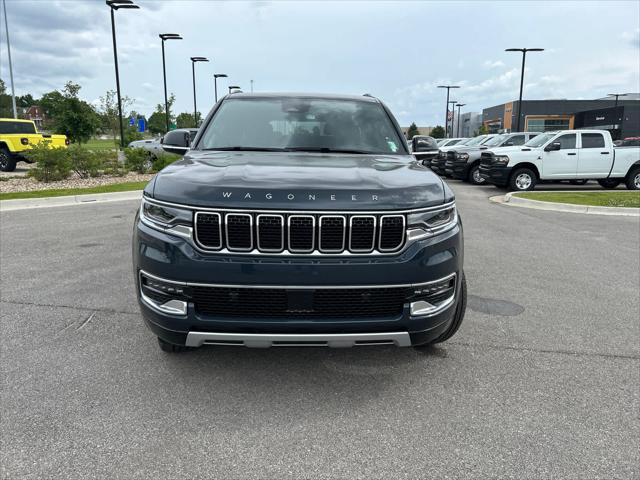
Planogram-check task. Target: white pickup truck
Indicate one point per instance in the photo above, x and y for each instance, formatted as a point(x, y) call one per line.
point(576, 155)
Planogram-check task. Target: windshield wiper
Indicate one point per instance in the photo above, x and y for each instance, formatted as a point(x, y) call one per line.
point(246, 149)
point(326, 150)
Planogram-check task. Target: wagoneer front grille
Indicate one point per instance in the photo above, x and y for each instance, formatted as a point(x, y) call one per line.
point(300, 233)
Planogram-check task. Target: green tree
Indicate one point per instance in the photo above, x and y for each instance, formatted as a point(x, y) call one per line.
point(157, 122)
point(483, 130)
point(108, 111)
point(6, 109)
point(185, 120)
point(437, 132)
point(412, 131)
point(70, 115)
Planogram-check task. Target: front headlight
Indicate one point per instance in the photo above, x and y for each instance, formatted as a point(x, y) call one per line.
point(433, 222)
point(462, 156)
point(164, 217)
point(501, 160)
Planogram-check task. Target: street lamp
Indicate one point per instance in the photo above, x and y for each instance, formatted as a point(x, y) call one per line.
point(446, 113)
point(453, 114)
point(459, 105)
point(233, 87)
point(115, 5)
point(166, 36)
point(524, 55)
point(216, 76)
point(193, 71)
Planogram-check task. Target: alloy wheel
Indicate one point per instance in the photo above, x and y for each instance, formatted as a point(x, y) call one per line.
point(523, 181)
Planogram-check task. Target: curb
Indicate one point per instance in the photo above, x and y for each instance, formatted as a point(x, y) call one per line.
point(511, 200)
point(44, 202)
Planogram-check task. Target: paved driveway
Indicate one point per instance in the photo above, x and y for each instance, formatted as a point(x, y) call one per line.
point(542, 380)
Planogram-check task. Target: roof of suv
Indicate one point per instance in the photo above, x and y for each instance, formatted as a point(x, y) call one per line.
point(327, 96)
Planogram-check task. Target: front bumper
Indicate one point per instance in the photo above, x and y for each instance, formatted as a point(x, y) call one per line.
point(495, 174)
point(458, 169)
point(174, 259)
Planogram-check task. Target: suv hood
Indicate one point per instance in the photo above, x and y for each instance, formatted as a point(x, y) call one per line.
point(299, 181)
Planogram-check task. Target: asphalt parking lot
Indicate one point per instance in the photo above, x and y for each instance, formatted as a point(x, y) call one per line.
point(542, 380)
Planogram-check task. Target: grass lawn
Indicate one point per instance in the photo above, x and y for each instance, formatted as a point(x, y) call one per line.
point(98, 145)
point(595, 199)
point(116, 187)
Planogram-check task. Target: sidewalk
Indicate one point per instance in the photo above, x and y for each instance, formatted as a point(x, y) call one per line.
point(22, 204)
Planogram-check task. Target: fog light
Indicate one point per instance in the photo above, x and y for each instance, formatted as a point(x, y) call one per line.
point(433, 297)
point(164, 296)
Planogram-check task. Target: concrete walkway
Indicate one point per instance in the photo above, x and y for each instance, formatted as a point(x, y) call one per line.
point(21, 204)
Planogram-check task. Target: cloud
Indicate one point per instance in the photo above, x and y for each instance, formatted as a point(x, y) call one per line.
point(493, 64)
point(632, 37)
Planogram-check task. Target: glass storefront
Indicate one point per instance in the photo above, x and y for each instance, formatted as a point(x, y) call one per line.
point(547, 124)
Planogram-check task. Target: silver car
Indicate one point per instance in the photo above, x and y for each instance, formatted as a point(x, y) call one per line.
point(154, 146)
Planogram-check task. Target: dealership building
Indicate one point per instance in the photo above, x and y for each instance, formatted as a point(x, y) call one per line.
point(622, 121)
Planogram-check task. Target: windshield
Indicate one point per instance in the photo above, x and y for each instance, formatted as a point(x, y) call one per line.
point(302, 124)
point(476, 141)
point(495, 141)
point(539, 140)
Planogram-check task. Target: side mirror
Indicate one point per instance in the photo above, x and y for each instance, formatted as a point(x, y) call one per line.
point(175, 150)
point(417, 147)
point(176, 143)
point(508, 144)
point(552, 147)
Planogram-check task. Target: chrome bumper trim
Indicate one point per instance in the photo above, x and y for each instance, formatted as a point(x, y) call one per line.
point(266, 340)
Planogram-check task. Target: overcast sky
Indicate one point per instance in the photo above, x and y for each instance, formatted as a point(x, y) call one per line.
point(398, 51)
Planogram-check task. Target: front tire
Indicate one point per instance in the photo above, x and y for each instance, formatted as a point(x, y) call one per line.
point(474, 177)
point(458, 316)
point(633, 179)
point(7, 162)
point(609, 182)
point(523, 179)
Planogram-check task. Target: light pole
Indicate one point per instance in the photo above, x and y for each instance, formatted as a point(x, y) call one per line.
point(193, 71)
point(232, 87)
point(453, 114)
point(459, 105)
point(115, 5)
point(13, 91)
point(446, 113)
point(216, 76)
point(166, 36)
point(524, 55)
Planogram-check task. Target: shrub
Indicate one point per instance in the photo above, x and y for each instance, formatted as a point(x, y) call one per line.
point(131, 134)
point(111, 165)
point(51, 163)
point(162, 160)
point(86, 163)
point(137, 160)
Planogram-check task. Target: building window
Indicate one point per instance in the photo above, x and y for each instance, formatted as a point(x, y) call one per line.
point(547, 124)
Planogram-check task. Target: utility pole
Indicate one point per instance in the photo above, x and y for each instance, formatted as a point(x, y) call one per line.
point(13, 90)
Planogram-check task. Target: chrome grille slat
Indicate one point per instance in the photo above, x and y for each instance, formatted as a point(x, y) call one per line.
point(362, 237)
point(270, 233)
point(239, 231)
point(302, 233)
point(299, 233)
point(331, 233)
point(391, 232)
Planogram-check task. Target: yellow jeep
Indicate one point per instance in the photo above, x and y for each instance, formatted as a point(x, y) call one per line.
point(17, 137)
